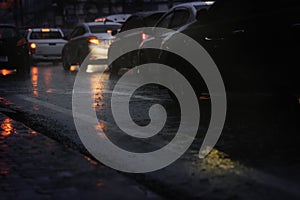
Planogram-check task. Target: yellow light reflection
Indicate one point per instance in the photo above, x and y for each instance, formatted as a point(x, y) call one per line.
point(101, 126)
point(97, 88)
point(7, 127)
point(48, 76)
point(217, 162)
point(34, 81)
point(90, 160)
point(6, 72)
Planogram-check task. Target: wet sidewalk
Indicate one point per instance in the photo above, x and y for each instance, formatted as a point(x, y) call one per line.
point(33, 166)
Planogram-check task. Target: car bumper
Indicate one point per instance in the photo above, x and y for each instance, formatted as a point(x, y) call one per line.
point(46, 57)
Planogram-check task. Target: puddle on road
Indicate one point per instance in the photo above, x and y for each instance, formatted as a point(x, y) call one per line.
point(216, 162)
point(8, 128)
point(34, 81)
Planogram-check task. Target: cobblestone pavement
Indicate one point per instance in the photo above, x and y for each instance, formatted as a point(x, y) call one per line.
point(33, 166)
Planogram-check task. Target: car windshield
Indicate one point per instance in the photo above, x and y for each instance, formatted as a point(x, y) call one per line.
point(103, 28)
point(7, 32)
point(46, 35)
point(138, 22)
point(132, 22)
point(151, 20)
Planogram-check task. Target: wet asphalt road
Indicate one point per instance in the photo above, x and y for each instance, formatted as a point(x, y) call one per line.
point(28, 170)
point(258, 150)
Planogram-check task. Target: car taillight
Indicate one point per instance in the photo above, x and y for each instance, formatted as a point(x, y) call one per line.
point(144, 36)
point(100, 19)
point(93, 40)
point(21, 42)
point(32, 46)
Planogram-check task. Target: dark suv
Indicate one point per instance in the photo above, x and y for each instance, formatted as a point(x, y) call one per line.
point(255, 45)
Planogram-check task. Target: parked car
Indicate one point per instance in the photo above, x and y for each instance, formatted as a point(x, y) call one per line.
point(14, 51)
point(46, 43)
point(255, 45)
point(177, 18)
point(87, 37)
point(137, 20)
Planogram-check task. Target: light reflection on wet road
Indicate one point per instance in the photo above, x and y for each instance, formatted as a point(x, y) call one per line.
point(250, 138)
point(33, 166)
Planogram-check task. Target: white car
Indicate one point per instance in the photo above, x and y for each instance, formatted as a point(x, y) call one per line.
point(86, 38)
point(46, 43)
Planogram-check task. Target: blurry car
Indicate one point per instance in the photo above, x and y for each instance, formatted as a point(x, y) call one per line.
point(46, 43)
point(137, 20)
point(177, 18)
point(14, 52)
point(255, 45)
point(93, 37)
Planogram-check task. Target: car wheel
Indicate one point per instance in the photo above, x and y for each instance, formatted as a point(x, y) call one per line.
point(65, 63)
point(66, 66)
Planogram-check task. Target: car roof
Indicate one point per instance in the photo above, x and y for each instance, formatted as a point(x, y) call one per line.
point(147, 13)
point(194, 4)
point(39, 29)
point(101, 23)
point(118, 17)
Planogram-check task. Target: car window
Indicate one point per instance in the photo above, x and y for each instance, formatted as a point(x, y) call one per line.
point(165, 21)
point(138, 22)
point(132, 22)
point(179, 19)
point(78, 32)
point(103, 28)
point(39, 35)
point(8, 32)
point(152, 19)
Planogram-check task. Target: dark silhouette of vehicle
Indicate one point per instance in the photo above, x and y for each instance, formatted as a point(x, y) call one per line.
point(178, 18)
point(137, 20)
point(255, 45)
point(14, 50)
